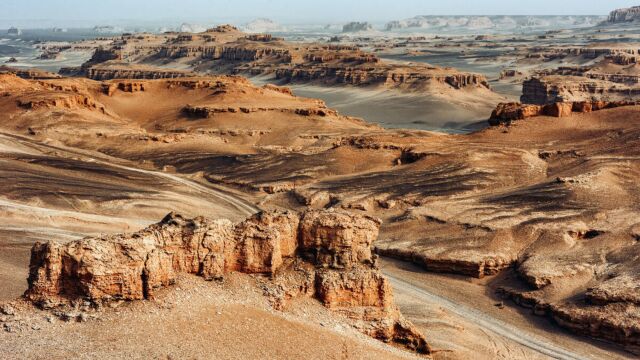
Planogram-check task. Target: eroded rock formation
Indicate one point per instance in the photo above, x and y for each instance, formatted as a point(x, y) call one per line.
point(29, 73)
point(234, 52)
point(553, 89)
point(116, 72)
point(625, 15)
point(507, 112)
point(355, 26)
point(332, 250)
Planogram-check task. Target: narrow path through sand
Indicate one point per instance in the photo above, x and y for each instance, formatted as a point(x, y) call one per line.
point(486, 322)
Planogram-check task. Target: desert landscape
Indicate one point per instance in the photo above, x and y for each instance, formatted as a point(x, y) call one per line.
point(437, 186)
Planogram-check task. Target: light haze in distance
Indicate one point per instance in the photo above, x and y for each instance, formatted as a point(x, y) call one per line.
point(75, 12)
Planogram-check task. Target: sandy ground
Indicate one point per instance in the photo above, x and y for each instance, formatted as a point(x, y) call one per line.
point(195, 320)
point(394, 109)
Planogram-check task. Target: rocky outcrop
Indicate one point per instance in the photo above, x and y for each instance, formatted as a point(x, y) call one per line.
point(549, 54)
point(233, 52)
point(588, 72)
point(332, 248)
point(108, 73)
point(553, 89)
point(126, 86)
point(263, 37)
point(388, 77)
point(355, 26)
point(508, 112)
point(618, 321)
point(101, 55)
point(65, 101)
point(281, 89)
point(218, 52)
point(478, 269)
point(211, 111)
point(624, 15)
point(31, 74)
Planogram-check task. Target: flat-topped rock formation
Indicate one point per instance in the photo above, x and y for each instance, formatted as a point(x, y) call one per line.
point(558, 88)
point(624, 15)
point(331, 250)
point(115, 71)
point(225, 49)
point(356, 26)
point(505, 113)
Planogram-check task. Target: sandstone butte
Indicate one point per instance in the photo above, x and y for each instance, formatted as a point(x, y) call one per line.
point(321, 254)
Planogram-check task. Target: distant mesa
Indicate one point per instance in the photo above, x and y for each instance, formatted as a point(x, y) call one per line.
point(59, 30)
point(105, 29)
point(263, 25)
point(14, 31)
point(625, 15)
point(492, 22)
point(355, 26)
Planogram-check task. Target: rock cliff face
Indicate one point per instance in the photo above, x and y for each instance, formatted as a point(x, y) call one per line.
point(390, 77)
point(332, 250)
point(590, 73)
point(209, 111)
point(615, 320)
point(625, 15)
point(234, 52)
point(231, 53)
point(552, 89)
point(108, 73)
point(356, 27)
point(612, 53)
point(507, 112)
point(68, 101)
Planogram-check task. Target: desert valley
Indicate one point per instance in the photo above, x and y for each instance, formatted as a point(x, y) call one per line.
point(446, 187)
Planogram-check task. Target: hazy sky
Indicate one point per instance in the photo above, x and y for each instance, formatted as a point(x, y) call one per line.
point(292, 10)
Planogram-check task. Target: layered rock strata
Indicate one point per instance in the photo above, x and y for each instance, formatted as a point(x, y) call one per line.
point(388, 77)
point(611, 53)
point(234, 52)
point(109, 73)
point(613, 320)
point(209, 111)
point(553, 89)
point(331, 250)
point(625, 15)
point(507, 112)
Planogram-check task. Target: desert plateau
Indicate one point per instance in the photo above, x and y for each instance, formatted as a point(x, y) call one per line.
point(320, 180)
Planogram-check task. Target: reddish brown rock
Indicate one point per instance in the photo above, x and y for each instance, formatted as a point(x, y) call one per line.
point(507, 112)
point(338, 240)
point(342, 273)
point(558, 109)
